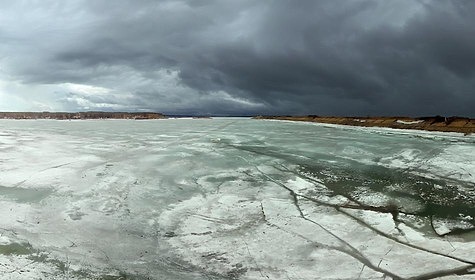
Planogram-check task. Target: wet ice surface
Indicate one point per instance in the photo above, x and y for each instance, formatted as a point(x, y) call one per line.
point(233, 199)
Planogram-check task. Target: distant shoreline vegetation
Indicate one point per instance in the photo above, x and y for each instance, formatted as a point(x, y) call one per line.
point(435, 123)
point(81, 115)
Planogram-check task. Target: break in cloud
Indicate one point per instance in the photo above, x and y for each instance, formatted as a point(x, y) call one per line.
point(360, 57)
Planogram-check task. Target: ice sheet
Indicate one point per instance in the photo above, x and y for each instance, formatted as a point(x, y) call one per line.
point(233, 199)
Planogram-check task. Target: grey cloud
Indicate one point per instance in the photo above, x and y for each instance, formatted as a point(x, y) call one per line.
point(362, 57)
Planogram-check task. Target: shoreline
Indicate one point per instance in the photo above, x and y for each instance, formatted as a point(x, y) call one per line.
point(437, 123)
point(92, 115)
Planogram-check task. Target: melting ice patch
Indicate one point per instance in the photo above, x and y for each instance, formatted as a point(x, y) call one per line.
point(452, 161)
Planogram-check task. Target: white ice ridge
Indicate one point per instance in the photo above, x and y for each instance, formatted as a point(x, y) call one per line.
point(409, 122)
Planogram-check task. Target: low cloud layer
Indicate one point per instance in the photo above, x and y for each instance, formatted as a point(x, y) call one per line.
point(362, 57)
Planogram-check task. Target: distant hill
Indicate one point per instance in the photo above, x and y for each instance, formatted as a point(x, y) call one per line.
point(81, 115)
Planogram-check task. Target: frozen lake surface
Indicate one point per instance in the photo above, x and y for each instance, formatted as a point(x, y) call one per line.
point(233, 199)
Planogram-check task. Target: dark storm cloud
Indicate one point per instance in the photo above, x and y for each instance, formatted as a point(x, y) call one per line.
point(361, 57)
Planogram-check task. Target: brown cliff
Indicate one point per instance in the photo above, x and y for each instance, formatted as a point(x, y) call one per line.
point(436, 123)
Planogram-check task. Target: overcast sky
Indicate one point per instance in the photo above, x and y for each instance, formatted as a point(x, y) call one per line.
point(335, 57)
